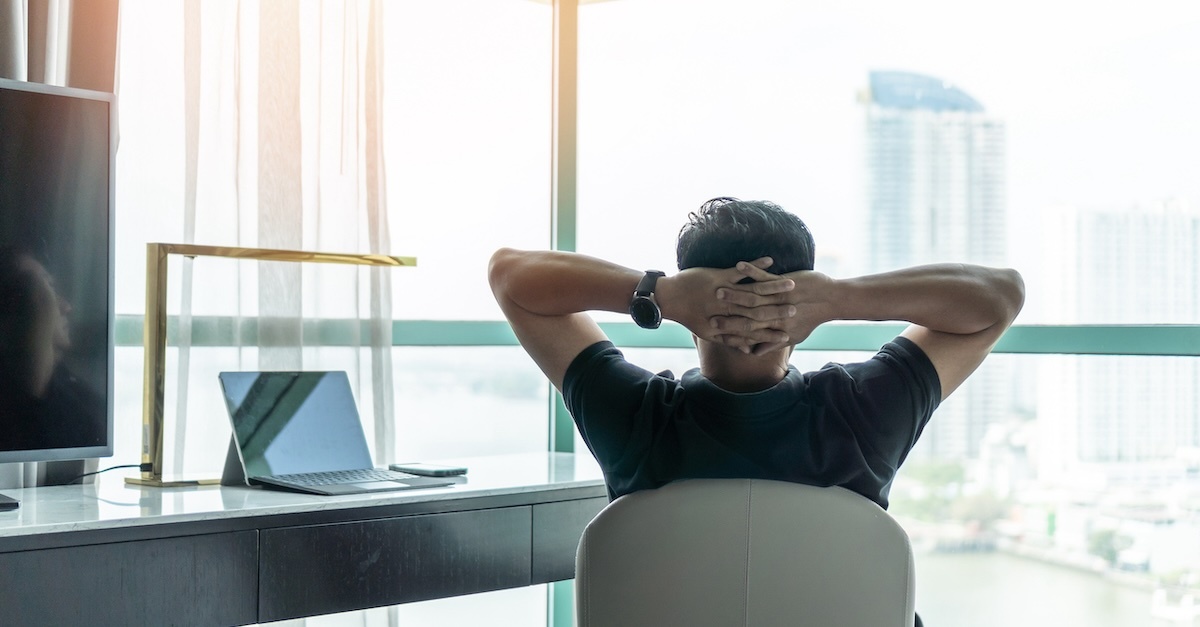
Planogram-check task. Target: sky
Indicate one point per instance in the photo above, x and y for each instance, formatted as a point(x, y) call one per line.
point(682, 101)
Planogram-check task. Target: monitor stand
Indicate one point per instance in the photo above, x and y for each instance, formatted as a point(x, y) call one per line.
point(8, 503)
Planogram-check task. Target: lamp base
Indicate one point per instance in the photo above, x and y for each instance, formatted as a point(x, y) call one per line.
point(174, 483)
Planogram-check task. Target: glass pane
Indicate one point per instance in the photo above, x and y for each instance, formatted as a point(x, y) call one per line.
point(909, 133)
point(449, 402)
point(468, 401)
point(127, 406)
point(468, 146)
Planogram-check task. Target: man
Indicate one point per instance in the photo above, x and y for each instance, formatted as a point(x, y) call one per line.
point(747, 291)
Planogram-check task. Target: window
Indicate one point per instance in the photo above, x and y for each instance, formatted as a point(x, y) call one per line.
point(1058, 140)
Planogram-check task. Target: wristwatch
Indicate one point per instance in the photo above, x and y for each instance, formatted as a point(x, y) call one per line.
point(643, 308)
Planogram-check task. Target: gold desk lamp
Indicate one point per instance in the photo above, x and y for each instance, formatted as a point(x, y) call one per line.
point(154, 335)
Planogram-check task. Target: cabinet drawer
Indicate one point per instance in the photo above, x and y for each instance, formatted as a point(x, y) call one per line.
point(321, 569)
point(191, 580)
point(557, 528)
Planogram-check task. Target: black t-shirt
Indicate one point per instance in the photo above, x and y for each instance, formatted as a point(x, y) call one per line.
point(847, 425)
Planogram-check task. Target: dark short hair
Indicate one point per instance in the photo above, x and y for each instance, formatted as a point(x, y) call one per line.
point(726, 230)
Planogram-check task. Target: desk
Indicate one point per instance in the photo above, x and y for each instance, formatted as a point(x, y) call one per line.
point(111, 554)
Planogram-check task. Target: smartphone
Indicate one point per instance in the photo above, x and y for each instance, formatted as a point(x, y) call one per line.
point(428, 470)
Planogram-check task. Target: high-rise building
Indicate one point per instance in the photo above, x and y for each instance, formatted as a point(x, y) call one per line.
point(1123, 266)
point(936, 192)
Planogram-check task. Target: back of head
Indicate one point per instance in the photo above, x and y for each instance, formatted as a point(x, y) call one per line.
point(726, 230)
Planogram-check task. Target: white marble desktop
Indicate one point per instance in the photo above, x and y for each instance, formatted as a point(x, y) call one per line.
point(110, 503)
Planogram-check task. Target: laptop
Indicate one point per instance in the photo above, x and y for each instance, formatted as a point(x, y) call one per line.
point(300, 431)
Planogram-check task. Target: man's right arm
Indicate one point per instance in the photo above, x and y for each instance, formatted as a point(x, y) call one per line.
point(545, 295)
point(957, 311)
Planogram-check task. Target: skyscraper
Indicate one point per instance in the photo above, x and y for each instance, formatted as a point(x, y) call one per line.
point(1124, 266)
point(936, 192)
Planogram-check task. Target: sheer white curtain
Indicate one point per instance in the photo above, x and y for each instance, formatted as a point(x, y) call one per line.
point(282, 141)
point(34, 40)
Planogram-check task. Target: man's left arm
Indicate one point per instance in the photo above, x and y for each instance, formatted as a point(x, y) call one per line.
point(545, 296)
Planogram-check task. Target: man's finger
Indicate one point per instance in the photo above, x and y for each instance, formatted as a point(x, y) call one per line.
point(762, 311)
point(746, 296)
point(753, 271)
point(768, 336)
point(774, 286)
point(766, 347)
point(732, 324)
point(769, 313)
point(757, 343)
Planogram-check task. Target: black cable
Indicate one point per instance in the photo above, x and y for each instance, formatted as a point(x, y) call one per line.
point(142, 467)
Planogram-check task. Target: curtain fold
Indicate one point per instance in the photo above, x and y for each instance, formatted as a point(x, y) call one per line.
point(380, 239)
point(192, 37)
point(14, 36)
point(40, 43)
point(283, 123)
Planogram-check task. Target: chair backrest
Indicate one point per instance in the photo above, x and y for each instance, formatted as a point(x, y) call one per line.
point(727, 552)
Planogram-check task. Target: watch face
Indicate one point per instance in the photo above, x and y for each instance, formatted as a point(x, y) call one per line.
point(645, 312)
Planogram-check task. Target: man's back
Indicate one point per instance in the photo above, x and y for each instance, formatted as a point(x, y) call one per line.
point(847, 425)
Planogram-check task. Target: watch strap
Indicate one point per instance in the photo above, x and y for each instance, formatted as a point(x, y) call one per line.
point(645, 286)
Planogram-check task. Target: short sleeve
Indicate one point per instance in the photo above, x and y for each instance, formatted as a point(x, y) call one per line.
point(886, 400)
point(606, 396)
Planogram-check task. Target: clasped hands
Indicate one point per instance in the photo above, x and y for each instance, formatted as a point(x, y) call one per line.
point(767, 313)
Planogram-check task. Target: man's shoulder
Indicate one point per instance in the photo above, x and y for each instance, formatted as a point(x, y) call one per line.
point(899, 367)
point(598, 357)
point(602, 368)
point(900, 350)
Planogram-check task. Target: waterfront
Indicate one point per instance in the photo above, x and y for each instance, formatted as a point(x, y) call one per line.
point(997, 589)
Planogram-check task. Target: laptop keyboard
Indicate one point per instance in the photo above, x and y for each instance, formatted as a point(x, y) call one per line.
point(334, 477)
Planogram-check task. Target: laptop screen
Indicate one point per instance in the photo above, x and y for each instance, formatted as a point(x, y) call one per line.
point(295, 422)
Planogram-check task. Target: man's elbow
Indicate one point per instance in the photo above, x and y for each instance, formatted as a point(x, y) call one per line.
point(500, 269)
point(1010, 289)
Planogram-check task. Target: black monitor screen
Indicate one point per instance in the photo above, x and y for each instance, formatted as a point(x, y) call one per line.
point(56, 195)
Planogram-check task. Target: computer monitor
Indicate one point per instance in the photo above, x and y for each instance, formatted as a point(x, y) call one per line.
point(57, 156)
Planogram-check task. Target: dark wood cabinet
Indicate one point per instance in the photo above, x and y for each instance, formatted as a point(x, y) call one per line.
point(244, 563)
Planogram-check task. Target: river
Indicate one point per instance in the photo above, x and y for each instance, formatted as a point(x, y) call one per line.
point(996, 589)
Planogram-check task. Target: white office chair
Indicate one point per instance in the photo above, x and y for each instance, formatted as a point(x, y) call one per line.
point(748, 552)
